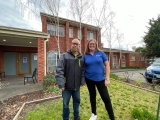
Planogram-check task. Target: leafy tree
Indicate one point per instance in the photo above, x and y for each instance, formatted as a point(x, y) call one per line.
point(152, 38)
point(140, 49)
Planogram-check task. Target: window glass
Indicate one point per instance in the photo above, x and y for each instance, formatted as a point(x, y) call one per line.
point(71, 32)
point(142, 59)
point(52, 29)
point(91, 35)
point(79, 34)
point(132, 58)
point(52, 60)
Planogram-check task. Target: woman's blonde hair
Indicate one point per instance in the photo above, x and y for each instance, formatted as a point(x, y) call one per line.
point(87, 48)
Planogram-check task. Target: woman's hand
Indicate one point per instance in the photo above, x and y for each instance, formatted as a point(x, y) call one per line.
point(107, 82)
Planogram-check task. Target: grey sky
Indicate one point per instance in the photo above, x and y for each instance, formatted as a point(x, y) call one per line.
point(10, 16)
point(131, 17)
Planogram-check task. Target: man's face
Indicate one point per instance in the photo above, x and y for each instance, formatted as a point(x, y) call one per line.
point(75, 45)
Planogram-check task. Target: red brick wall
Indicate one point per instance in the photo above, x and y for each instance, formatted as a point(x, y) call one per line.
point(44, 24)
point(65, 42)
point(137, 61)
point(40, 59)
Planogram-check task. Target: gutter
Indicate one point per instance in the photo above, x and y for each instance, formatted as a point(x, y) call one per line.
point(45, 67)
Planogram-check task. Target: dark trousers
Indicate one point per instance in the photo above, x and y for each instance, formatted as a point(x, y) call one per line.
point(66, 94)
point(103, 91)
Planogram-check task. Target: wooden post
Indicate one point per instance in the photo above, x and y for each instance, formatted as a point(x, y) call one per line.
point(157, 118)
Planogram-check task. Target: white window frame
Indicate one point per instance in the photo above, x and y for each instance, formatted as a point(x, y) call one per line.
point(115, 61)
point(91, 35)
point(52, 30)
point(70, 32)
point(142, 58)
point(78, 34)
point(123, 61)
point(52, 60)
point(132, 58)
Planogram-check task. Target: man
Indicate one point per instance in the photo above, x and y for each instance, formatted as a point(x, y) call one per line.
point(69, 76)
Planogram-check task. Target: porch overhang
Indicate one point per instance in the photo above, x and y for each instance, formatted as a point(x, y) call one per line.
point(20, 37)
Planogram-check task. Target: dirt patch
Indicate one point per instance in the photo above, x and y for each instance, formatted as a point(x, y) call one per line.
point(10, 107)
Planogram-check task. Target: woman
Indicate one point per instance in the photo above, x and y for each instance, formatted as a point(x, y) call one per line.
point(94, 76)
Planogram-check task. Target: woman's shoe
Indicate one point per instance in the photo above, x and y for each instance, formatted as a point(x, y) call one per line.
point(93, 117)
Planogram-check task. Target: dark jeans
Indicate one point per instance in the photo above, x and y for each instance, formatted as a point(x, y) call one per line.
point(66, 94)
point(103, 91)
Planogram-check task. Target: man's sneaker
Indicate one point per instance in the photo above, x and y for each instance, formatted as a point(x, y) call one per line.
point(93, 117)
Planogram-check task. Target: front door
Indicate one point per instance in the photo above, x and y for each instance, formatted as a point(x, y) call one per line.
point(24, 63)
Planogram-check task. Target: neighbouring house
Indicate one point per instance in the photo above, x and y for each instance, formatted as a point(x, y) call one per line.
point(23, 50)
point(124, 58)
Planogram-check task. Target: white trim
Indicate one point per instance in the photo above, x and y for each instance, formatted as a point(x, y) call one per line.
point(22, 32)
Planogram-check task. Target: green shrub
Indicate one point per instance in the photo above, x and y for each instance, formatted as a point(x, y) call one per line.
point(54, 89)
point(49, 80)
point(141, 115)
point(114, 76)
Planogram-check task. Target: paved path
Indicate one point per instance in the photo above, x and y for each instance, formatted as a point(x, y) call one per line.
point(14, 85)
point(135, 74)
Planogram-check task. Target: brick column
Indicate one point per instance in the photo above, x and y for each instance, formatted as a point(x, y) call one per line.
point(67, 43)
point(44, 24)
point(40, 59)
point(111, 60)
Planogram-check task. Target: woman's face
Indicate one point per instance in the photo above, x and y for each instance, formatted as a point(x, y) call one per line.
point(92, 46)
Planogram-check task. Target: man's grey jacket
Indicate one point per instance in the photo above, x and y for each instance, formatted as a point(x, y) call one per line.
point(70, 71)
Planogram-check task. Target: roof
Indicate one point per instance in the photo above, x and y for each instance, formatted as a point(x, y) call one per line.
point(72, 22)
point(116, 50)
point(22, 32)
point(20, 37)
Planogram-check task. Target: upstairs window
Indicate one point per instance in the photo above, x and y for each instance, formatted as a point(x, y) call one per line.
point(79, 34)
point(53, 30)
point(70, 32)
point(91, 35)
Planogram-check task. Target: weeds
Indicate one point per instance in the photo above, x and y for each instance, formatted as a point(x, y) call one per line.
point(127, 76)
point(138, 82)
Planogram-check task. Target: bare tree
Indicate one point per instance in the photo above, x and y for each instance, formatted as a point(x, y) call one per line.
point(34, 7)
point(100, 15)
point(109, 33)
point(120, 40)
point(80, 11)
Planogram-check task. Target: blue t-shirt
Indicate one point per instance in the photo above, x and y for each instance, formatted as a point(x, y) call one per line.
point(94, 65)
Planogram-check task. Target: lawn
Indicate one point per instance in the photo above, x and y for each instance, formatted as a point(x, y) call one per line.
point(124, 99)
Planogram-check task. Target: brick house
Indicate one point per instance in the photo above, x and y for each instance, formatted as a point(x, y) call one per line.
point(23, 50)
point(128, 58)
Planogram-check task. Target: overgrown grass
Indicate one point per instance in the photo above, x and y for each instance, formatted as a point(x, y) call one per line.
point(125, 100)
